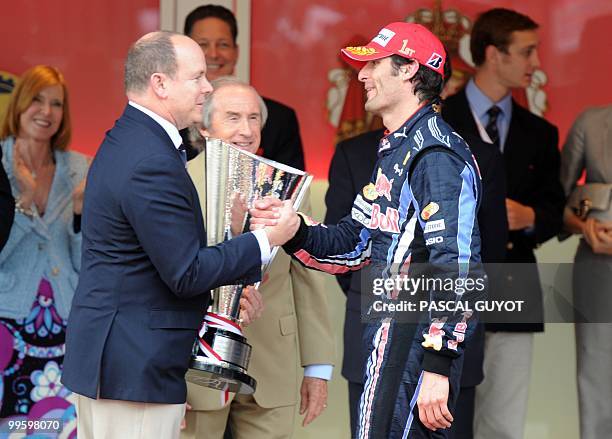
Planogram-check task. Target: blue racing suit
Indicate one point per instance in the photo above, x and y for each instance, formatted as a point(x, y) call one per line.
point(419, 207)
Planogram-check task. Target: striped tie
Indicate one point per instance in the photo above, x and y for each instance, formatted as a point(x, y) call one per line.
point(491, 127)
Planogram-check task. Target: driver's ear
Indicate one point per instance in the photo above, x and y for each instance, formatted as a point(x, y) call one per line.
point(407, 71)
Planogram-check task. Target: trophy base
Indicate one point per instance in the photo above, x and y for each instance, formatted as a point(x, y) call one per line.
point(220, 376)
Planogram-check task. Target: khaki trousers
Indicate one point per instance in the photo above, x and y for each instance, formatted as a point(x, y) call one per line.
point(501, 399)
point(247, 420)
point(111, 419)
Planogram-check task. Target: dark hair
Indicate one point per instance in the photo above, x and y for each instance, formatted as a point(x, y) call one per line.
point(214, 11)
point(427, 84)
point(494, 28)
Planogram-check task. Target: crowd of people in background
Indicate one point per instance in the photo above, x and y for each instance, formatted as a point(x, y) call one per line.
point(531, 192)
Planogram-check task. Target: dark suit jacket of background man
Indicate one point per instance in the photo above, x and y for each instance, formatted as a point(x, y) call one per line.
point(7, 206)
point(280, 137)
point(531, 160)
point(350, 170)
point(146, 275)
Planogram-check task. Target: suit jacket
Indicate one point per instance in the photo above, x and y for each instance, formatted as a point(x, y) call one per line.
point(7, 206)
point(280, 137)
point(350, 170)
point(295, 321)
point(145, 272)
point(531, 158)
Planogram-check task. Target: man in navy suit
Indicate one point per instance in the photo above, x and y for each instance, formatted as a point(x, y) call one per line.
point(146, 271)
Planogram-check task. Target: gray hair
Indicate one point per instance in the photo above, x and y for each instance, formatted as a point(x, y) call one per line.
point(225, 81)
point(153, 53)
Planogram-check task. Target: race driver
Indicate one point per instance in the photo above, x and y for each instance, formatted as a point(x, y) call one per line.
point(419, 207)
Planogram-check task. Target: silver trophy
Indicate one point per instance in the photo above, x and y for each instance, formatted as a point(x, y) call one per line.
point(221, 354)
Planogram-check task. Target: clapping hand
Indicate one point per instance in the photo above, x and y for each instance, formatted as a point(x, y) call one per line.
point(25, 179)
point(77, 197)
point(77, 193)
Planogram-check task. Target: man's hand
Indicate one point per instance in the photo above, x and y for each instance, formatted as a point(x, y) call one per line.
point(251, 305)
point(238, 213)
point(313, 398)
point(184, 420)
point(519, 215)
point(287, 225)
point(598, 235)
point(265, 212)
point(433, 401)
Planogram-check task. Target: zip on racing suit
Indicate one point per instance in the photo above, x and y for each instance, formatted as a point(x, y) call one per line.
point(420, 206)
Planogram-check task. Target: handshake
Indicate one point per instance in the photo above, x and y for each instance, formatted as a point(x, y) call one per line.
point(278, 219)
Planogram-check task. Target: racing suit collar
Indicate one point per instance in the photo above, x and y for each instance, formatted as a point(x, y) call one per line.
point(392, 140)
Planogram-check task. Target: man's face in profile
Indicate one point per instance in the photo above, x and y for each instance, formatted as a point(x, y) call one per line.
point(189, 87)
point(215, 38)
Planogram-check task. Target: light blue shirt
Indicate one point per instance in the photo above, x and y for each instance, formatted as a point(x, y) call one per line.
point(323, 371)
point(480, 104)
point(173, 132)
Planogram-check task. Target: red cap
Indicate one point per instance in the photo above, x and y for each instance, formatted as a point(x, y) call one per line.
point(410, 40)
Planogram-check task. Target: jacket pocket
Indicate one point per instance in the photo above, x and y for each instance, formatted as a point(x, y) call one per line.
point(174, 319)
point(288, 324)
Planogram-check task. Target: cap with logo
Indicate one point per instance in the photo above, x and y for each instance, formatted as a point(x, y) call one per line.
point(409, 40)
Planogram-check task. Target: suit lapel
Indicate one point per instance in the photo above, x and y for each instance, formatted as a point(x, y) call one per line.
point(139, 117)
point(519, 153)
point(134, 115)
